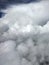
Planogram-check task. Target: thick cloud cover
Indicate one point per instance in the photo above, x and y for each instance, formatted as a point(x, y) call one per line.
point(24, 34)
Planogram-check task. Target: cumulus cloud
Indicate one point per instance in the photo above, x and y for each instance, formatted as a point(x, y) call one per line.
point(34, 13)
point(24, 34)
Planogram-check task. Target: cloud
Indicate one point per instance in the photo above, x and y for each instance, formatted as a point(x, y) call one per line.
point(34, 13)
point(24, 34)
point(5, 3)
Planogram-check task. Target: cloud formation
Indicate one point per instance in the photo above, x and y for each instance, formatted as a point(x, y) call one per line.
point(24, 34)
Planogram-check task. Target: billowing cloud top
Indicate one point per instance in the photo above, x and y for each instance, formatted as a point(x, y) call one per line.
point(24, 34)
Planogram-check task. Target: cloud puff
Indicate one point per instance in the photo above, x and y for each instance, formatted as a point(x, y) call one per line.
point(34, 13)
point(24, 34)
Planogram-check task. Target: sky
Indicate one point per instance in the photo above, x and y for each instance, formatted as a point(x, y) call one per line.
point(4, 3)
point(24, 34)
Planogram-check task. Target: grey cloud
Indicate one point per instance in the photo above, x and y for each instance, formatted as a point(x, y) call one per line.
point(23, 39)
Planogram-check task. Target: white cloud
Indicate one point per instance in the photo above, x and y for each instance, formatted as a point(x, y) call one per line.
point(23, 39)
point(36, 13)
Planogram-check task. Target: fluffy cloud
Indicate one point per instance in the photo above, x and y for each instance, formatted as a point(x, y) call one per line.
point(34, 13)
point(24, 34)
